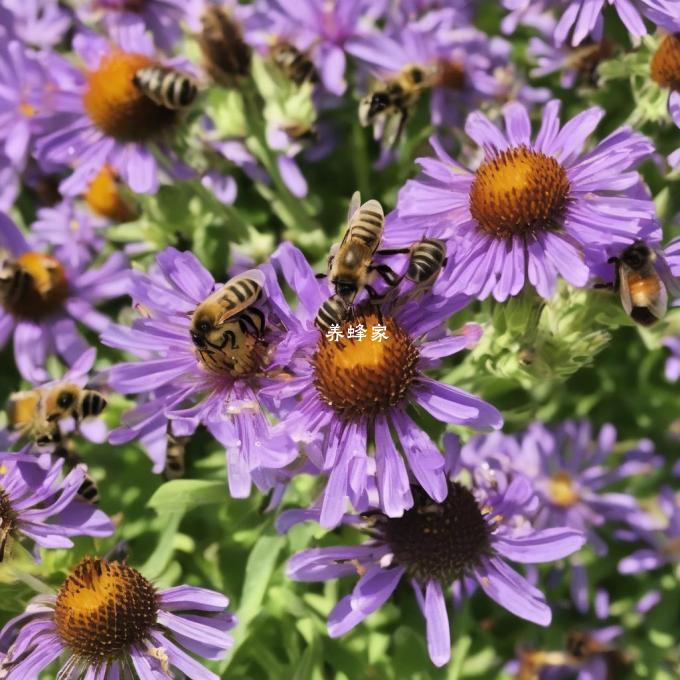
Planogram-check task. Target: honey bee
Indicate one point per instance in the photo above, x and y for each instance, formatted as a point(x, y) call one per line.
point(166, 87)
point(332, 312)
point(71, 400)
point(350, 265)
point(233, 301)
point(175, 456)
point(294, 63)
point(34, 414)
point(14, 280)
point(426, 259)
point(390, 105)
point(587, 58)
point(643, 294)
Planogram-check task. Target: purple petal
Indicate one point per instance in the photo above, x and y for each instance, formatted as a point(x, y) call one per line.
point(540, 546)
point(438, 628)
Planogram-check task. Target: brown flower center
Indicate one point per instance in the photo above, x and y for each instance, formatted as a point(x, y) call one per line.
point(438, 541)
point(104, 197)
point(103, 608)
point(561, 490)
point(364, 377)
point(518, 192)
point(115, 104)
point(8, 521)
point(33, 286)
point(665, 67)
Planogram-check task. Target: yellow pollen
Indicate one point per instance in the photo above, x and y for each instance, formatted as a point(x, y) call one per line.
point(27, 109)
point(105, 199)
point(561, 490)
point(364, 377)
point(665, 66)
point(103, 608)
point(115, 104)
point(519, 192)
point(40, 287)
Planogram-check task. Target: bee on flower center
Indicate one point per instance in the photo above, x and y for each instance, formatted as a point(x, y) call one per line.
point(117, 106)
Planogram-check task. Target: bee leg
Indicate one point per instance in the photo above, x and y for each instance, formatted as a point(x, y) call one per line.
point(323, 275)
point(386, 273)
point(259, 327)
point(400, 129)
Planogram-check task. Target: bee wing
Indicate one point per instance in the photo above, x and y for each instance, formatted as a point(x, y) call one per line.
point(354, 205)
point(659, 306)
point(255, 275)
point(624, 290)
point(394, 128)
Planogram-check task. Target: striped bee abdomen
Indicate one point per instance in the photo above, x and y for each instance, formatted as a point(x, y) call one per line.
point(427, 258)
point(166, 86)
point(92, 404)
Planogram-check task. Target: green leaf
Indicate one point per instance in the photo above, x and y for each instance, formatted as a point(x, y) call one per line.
point(259, 569)
point(181, 495)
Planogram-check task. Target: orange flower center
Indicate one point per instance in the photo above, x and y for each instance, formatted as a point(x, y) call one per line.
point(364, 376)
point(105, 199)
point(665, 67)
point(103, 608)
point(33, 286)
point(115, 104)
point(518, 192)
point(561, 490)
point(27, 109)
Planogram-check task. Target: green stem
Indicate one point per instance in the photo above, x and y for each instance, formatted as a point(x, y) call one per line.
point(36, 584)
point(362, 165)
point(290, 209)
point(463, 642)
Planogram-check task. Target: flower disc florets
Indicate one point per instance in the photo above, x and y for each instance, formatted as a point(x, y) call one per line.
point(103, 608)
point(518, 192)
point(365, 377)
point(665, 67)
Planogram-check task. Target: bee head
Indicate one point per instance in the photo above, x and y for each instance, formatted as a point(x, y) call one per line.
point(637, 255)
point(346, 290)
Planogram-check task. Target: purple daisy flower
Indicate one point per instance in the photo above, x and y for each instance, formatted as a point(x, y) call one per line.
point(182, 390)
point(468, 536)
point(570, 474)
point(163, 18)
point(575, 65)
point(26, 97)
point(462, 66)
point(103, 118)
point(38, 505)
point(323, 28)
point(530, 210)
point(663, 541)
point(534, 13)
point(135, 631)
point(357, 394)
point(75, 235)
point(42, 23)
point(42, 314)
